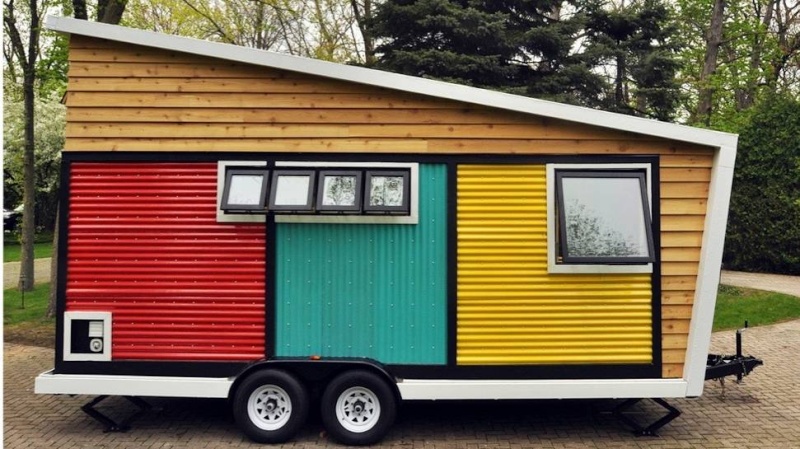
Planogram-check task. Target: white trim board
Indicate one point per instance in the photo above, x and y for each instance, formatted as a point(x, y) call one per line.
point(120, 385)
point(708, 273)
point(393, 81)
point(410, 389)
point(436, 389)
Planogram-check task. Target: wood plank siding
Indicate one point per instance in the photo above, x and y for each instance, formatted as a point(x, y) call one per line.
point(128, 98)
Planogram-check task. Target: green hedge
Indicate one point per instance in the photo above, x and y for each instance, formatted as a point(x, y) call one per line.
point(764, 225)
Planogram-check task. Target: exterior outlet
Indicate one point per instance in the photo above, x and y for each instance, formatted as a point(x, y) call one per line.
point(87, 336)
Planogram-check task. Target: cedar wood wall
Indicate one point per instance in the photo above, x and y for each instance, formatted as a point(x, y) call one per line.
point(127, 98)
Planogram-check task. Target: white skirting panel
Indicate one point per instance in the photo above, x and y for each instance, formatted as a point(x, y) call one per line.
point(161, 386)
point(434, 389)
point(410, 389)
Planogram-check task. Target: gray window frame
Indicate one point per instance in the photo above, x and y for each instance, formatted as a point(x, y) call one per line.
point(563, 243)
point(403, 208)
point(336, 208)
point(230, 172)
point(308, 207)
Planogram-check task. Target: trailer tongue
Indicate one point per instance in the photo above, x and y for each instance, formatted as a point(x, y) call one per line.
point(720, 366)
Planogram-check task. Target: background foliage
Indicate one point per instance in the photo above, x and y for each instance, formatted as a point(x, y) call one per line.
point(764, 223)
point(49, 140)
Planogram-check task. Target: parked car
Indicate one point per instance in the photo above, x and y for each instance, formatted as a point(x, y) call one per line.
point(11, 219)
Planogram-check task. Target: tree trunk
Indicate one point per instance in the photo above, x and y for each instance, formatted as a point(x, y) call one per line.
point(363, 20)
point(713, 42)
point(110, 11)
point(620, 96)
point(29, 186)
point(788, 40)
point(79, 9)
point(29, 169)
point(748, 95)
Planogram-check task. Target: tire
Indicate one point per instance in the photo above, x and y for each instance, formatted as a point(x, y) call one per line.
point(270, 406)
point(358, 408)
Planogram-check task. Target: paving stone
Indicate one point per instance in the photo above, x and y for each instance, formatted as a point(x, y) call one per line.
point(789, 285)
point(763, 412)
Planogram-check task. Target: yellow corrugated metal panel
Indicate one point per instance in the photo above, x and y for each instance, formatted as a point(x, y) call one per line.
point(510, 309)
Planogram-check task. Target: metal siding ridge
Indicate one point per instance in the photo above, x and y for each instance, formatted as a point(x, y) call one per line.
point(375, 290)
point(512, 309)
point(164, 272)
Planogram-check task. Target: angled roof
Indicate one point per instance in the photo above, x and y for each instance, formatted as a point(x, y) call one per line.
point(395, 81)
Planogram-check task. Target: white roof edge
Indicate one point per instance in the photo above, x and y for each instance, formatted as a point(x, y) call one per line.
point(394, 81)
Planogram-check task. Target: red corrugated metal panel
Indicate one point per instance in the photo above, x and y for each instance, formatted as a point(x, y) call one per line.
point(145, 245)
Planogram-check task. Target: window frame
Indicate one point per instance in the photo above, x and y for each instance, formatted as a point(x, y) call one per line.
point(308, 207)
point(232, 171)
point(409, 218)
point(227, 217)
point(414, 185)
point(404, 206)
point(555, 213)
point(335, 208)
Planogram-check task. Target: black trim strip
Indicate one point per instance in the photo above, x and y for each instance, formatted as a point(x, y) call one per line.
point(223, 369)
point(270, 283)
point(231, 369)
point(655, 278)
point(61, 266)
point(649, 371)
point(452, 263)
point(155, 368)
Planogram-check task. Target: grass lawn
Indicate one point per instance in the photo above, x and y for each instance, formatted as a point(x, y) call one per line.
point(42, 247)
point(28, 325)
point(734, 306)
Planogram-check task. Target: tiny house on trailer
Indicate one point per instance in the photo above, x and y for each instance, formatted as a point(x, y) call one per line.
point(269, 229)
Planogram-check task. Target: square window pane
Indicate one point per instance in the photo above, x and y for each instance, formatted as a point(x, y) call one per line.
point(245, 190)
point(292, 190)
point(604, 217)
point(339, 190)
point(386, 191)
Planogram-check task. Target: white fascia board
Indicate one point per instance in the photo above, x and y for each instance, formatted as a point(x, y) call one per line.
point(708, 274)
point(435, 389)
point(393, 81)
point(158, 386)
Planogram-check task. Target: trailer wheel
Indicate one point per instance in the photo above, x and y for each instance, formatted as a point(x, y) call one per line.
point(270, 406)
point(358, 408)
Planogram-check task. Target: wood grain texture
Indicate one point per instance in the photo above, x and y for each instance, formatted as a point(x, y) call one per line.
point(672, 370)
point(674, 341)
point(174, 116)
point(218, 85)
point(97, 129)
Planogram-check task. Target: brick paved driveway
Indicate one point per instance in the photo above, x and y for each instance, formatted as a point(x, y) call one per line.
point(762, 413)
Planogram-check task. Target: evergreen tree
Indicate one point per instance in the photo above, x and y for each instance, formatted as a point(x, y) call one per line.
point(637, 43)
point(555, 66)
point(459, 41)
point(519, 46)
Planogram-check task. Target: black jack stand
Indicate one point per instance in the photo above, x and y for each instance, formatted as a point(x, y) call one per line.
point(638, 429)
point(110, 424)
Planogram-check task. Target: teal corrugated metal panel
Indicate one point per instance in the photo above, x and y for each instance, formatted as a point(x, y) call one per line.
point(378, 291)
